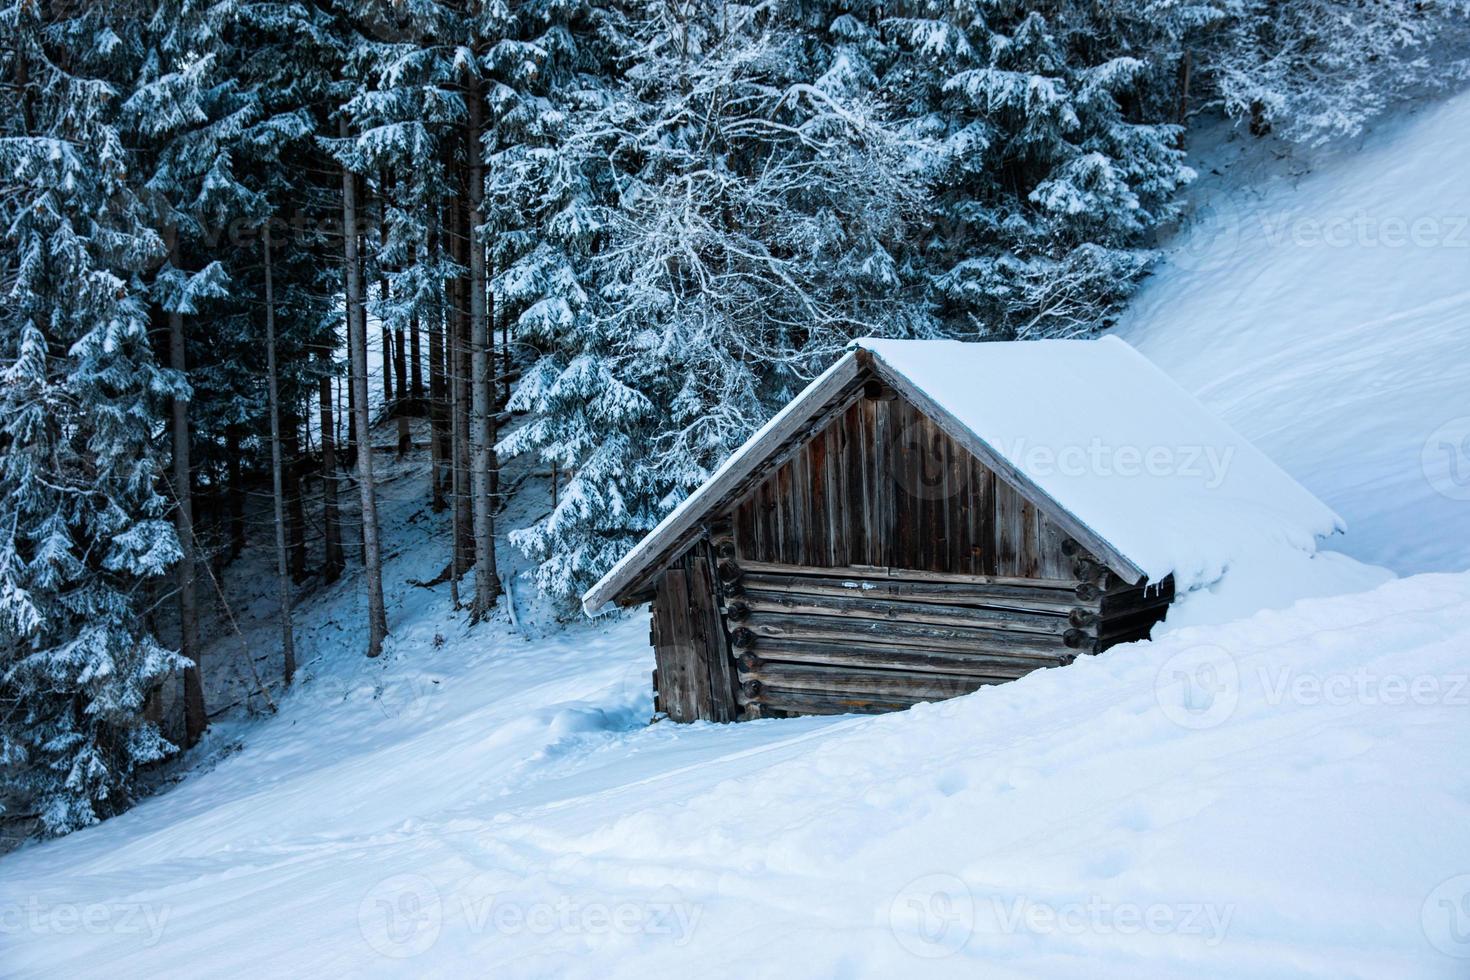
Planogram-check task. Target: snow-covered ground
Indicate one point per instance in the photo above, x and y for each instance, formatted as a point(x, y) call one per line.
point(1281, 793)
point(1283, 796)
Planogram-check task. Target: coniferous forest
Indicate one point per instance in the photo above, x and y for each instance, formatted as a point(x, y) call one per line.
point(239, 236)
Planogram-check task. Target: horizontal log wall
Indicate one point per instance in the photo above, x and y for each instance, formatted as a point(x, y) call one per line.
point(882, 485)
point(819, 641)
point(809, 640)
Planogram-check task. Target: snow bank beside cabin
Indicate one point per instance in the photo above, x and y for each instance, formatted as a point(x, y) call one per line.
point(1326, 316)
point(1121, 446)
point(1284, 795)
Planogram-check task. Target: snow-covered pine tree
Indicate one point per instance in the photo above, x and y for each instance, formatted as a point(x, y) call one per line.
point(281, 267)
point(1312, 70)
point(187, 115)
point(421, 115)
point(1049, 175)
point(548, 202)
point(84, 532)
point(292, 66)
point(714, 227)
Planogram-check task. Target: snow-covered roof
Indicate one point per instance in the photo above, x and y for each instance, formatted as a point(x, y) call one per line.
point(1104, 442)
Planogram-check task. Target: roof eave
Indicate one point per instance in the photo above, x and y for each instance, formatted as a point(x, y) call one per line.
point(675, 531)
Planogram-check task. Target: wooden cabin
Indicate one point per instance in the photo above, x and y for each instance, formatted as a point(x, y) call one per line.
point(896, 534)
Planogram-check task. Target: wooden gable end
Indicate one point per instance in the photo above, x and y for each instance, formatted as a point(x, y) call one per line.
point(882, 485)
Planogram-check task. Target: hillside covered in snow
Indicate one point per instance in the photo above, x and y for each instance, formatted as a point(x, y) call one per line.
point(1322, 308)
point(1281, 794)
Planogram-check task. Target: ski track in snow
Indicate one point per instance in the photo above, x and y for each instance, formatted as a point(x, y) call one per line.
point(1279, 795)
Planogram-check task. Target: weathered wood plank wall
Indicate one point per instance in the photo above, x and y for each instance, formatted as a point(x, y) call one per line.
point(695, 667)
point(882, 485)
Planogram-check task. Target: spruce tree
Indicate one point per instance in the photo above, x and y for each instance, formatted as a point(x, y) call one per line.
point(715, 223)
point(84, 532)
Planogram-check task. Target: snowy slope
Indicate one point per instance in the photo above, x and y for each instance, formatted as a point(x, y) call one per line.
point(1283, 796)
point(1326, 316)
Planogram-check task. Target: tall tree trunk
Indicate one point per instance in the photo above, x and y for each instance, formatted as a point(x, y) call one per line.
point(459, 375)
point(505, 357)
point(1181, 108)
point(383, 295)
point(487, 579)
point(387, 359)
point(415, 368)
point(350, 387)
point(400, 368)
point(236, 491)
point(361, 334)
point(210, 532)
point(438, 414)
point(357, 320)
point(331, 519)
point(283, 577)
point(295, 511)
point(195, 718)
point(458, 512)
